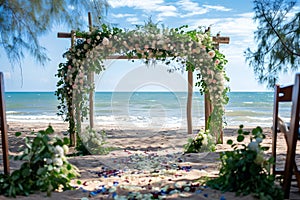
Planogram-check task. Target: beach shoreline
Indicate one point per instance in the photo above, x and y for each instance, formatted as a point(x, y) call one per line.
point(134, 150)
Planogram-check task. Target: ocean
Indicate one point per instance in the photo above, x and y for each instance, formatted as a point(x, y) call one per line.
point(147, 109)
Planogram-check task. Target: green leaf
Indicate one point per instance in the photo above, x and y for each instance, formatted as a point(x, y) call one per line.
point(246, 132)
point(69, 167)
point(230, 142)
point(240, 138)
point(17, 134)
point(41, 171)
point(25, 172)
point(265, 148)
point(49, 130)
point(240, 131)
point(271, 159)
point(20, 186)
point(255, 131)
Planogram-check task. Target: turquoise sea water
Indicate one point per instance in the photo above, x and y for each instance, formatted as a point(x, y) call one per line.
point(147, 109)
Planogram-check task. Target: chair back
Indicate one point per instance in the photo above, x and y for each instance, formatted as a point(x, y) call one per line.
point(292, 137)
point(281, 94)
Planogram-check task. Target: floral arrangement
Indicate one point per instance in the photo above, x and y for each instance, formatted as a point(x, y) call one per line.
point(193, 49)
point(44, 167)
point(91, 142)
point(246, 170)
point(203, 142)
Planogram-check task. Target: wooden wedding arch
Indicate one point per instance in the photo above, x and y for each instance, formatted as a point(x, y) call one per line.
point(208, 106)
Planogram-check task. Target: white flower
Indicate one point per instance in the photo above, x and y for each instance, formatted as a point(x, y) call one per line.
point(98, 37)
point(105, 41)
point(217, 61)
point(200, 37)
point(66, 149)
point(48, 161)
point(57, 162)
point(56, 169)
point(59, 150)
point(205, 140)
point(84, 138)
point(253, 146)
point(95, 141)
point(85, 46)
point(211, 53)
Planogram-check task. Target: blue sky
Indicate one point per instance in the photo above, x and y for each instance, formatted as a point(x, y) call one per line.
point(232, 18)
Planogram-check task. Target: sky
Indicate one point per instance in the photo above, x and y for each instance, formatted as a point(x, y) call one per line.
point(230, 18)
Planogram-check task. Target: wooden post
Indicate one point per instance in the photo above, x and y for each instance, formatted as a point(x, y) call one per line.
point(208, 108)
point(72, 127)
point(3, 124)
point(91, 82)
point(189, 103)
point(206, 101)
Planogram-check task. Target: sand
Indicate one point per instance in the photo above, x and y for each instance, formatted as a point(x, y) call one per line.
point(145, 161)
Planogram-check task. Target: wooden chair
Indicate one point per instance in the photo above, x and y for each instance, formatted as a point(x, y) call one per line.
point(289, 93)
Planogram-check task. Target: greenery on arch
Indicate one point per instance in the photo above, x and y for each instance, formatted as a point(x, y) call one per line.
point(192, 48)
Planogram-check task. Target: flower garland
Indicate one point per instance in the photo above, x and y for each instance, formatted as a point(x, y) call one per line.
point(191, 48)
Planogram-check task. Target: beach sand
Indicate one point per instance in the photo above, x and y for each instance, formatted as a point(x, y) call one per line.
point(145, 161)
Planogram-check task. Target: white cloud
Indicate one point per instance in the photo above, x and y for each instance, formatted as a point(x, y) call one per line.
point(218, 8)
point(123, 15)
point(246, 15)
point(133, 20)
point(154, 7)
point(293, 12)
point(240, 26)
point(166, 11)
point(149, 5)
point(191, 8)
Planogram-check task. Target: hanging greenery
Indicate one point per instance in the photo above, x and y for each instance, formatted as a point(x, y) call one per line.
point(192, 48)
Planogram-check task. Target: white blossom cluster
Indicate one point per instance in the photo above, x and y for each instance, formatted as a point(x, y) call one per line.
point(255, 146)
point(58, 157)
point(92, 139)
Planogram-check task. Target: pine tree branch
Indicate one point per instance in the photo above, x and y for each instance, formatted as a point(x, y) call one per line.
point(289, 51)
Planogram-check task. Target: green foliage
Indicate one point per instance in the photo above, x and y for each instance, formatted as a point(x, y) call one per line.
point(203, 142)
point(44, 167)
point(277, 37)
point(23, 22)
point(245, 170)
